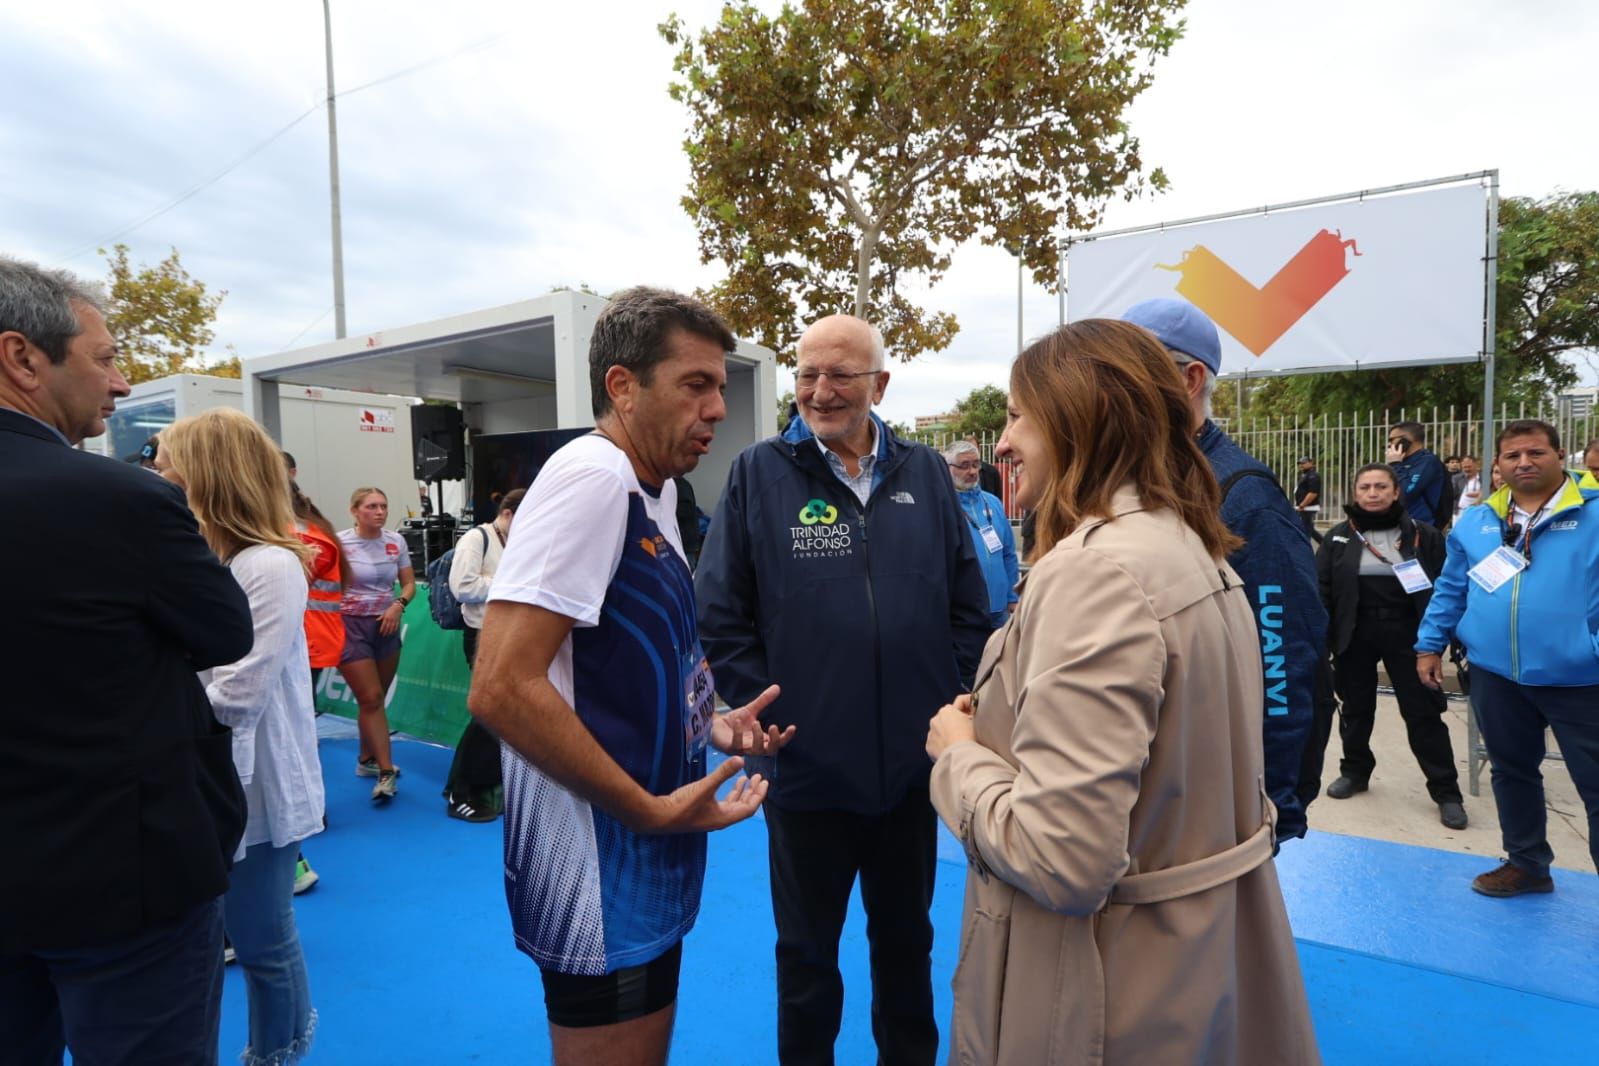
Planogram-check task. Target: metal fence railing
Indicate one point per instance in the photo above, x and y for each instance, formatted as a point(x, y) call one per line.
point(1344, 442)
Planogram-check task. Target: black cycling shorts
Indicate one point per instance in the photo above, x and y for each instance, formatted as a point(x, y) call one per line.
point(577, 1001)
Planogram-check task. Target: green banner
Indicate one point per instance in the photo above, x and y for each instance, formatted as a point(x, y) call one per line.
point(428, 697)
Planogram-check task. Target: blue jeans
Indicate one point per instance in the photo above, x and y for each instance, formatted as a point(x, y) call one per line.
point(153, 998)
point(260, 922)
point(1512, 718)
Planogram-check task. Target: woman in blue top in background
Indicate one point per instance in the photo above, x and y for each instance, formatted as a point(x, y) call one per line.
point(989, 528)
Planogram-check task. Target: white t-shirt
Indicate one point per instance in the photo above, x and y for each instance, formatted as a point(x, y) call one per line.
point(566, 541)
point(375, 566)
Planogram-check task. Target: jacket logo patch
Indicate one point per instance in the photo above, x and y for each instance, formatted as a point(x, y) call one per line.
point(1340, 540)
point(1568, 523)
point(816, 511)
point(820, 535)
point(903, 497)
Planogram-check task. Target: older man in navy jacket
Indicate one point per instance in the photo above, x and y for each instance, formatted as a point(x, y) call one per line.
point(838, 566)
point(119, 804)
point(1276, 563)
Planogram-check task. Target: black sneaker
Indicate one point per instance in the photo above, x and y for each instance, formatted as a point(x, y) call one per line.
point(1345, 787)
point(1452, 814)
point(468, 812)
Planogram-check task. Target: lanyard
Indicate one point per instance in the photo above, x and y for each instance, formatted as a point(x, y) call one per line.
point(1532, 520)
point(1380, 556)
point(988, 515)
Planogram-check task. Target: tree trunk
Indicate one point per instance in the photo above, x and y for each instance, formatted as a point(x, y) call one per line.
point(864, 255)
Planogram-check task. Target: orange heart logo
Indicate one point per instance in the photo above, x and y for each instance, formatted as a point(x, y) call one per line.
point(1257, 317)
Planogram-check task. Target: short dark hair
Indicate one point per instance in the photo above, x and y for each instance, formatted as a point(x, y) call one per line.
point(632, 332)
point(1451, 458)
point(37, 303)
point(288, 461)
point(512, 500)
point(1414, 430)
point(1369, 467)
point(1590, 446)
point(1521, 427)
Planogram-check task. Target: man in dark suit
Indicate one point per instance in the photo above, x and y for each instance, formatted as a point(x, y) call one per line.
point(119, 804)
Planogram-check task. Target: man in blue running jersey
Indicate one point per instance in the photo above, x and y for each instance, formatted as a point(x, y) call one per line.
point(590, 671)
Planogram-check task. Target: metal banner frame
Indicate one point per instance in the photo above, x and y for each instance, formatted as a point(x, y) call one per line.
point(1489, 179)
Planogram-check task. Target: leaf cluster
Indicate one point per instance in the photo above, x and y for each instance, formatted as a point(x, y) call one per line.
point(840, 148)
point(162, 318)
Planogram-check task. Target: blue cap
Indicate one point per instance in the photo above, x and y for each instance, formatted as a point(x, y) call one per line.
point(1181, 327)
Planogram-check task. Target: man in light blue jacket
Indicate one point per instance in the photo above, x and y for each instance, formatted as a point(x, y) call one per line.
point(1520, 589)
point(990, 530)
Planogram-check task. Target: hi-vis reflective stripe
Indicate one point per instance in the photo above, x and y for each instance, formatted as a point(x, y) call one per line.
point(324, 586)
point(322, 605)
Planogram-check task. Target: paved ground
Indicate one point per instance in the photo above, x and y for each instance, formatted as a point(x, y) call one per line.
point(1398, 808)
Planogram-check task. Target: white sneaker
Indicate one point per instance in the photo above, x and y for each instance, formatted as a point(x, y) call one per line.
point(387, 787)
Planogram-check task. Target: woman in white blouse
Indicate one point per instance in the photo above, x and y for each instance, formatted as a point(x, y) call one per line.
point(238, 490)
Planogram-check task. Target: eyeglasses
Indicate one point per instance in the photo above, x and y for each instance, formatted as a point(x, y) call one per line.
point(841, 379)
point(974, 465)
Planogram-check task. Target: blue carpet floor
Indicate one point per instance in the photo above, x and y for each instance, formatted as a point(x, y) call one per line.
point(411, 959)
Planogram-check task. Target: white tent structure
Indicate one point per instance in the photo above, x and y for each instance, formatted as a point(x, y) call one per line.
point(515, 368)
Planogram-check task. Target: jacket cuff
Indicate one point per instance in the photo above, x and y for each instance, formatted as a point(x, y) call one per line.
point(961, 778)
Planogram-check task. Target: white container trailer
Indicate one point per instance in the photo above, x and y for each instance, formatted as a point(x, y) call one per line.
point(341, 440)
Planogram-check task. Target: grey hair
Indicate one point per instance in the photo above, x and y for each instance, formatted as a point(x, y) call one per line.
point(37, 303)
point(1208, 392)
point(879, 350)
point(632, 332)
point(959, 448)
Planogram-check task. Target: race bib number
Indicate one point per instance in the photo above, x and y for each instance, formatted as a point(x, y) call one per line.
point(1501, 566)
point(1412, 576)
point(699, 703)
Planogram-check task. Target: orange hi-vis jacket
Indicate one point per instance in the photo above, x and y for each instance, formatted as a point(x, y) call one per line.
point(324, 626)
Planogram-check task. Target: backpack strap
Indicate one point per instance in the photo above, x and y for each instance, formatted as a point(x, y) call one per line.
point(1248, 471)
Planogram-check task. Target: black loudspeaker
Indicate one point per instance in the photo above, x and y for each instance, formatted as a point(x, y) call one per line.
point(438, 443)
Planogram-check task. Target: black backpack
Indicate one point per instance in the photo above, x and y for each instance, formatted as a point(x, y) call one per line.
point(442, 604)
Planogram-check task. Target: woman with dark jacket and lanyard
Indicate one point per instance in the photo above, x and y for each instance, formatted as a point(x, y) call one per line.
point(1376, 570)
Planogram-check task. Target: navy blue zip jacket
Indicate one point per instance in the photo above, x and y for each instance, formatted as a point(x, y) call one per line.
point(1421, 482)
point(870, 618)
point(1279, 574)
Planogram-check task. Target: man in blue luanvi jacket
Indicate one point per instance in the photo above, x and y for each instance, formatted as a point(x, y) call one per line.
point(1275, 563)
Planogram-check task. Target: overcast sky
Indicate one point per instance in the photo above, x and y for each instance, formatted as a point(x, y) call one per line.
point(536, 145)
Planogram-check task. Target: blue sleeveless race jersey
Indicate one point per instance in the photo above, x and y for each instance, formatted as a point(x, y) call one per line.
point(586, 894)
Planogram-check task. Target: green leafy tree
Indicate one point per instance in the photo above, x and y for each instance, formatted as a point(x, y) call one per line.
point(1547, 307)
point(981, 412)
point(162, 319)
point(784, 403)
point(841, 148)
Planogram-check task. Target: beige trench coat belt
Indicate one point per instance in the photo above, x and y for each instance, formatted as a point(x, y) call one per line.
point(1158, 886)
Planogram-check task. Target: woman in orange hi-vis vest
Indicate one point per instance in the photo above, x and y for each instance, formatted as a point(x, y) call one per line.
point(324, 625)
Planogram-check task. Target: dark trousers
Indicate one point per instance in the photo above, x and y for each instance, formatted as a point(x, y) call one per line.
point(1512, 718)
point(815, 856)
point(1324, 711)
point(153, 998)
point(475, 771)
point(1308, 520)
point(1390, 638)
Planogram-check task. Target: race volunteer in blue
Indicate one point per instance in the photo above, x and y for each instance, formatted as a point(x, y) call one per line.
point(589, 668)
point(992, 537)
point(1520, 589)
point(1275, 563)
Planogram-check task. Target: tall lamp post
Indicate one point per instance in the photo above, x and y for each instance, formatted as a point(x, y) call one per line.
point(333, 181)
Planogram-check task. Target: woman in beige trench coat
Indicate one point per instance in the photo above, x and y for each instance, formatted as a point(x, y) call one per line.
point(1106, 776)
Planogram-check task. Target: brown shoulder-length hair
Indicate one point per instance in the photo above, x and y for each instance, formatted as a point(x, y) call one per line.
point(1110, 407)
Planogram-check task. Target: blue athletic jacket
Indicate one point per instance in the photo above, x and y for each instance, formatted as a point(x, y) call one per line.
point(1001, 570)
point(1421, 482)
point(869, 618)
point(1279, 573)
point(1542, 626)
